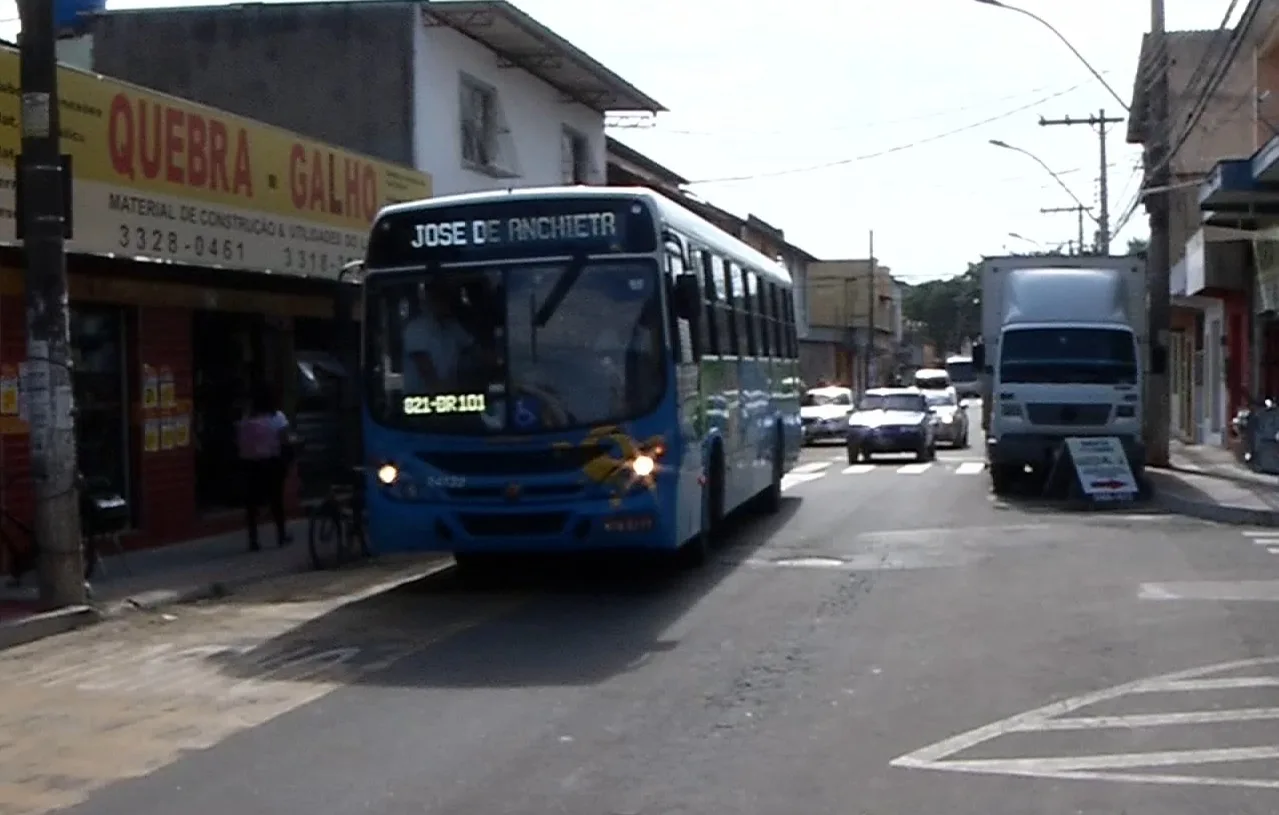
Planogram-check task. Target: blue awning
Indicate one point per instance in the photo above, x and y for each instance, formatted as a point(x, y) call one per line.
point(1235, 198)
point(1265, 162)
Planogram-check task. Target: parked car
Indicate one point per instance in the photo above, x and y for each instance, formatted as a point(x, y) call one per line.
point(892, 420)
point(950, 414)
point(824, 413)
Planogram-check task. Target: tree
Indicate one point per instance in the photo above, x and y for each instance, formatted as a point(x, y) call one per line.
point(949, 309)
point(1137, 246)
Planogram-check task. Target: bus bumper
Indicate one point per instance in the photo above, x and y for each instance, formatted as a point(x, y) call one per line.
point(582, 526)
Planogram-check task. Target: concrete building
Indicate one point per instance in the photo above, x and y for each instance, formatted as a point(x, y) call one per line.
point(840, 322)
point(194, 270)
point(1211, 281)
point(475, 92)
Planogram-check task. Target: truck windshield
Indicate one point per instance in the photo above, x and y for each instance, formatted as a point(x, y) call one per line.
point(961, 371)
point(1101, 356)
point(514, 348)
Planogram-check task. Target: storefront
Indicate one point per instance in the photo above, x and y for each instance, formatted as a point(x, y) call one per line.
point(1241, 202)
point(190, 270)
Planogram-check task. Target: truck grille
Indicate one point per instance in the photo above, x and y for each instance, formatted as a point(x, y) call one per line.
point(1066, 414)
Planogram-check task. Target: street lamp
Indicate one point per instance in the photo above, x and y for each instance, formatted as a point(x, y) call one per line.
point(1066, 42)
point(1006, 146)
point(1026, 239)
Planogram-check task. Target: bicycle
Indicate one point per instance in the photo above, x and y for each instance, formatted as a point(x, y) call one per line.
point(336, 529)
point(101, 520)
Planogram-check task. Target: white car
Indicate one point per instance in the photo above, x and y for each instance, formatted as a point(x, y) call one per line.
point(824, 413)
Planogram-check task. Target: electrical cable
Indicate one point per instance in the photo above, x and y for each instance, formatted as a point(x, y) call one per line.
point(865, 125)
point(1224, 63)
point(889, 151)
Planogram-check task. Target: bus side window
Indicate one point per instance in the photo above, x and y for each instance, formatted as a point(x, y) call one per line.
point(765, 310)
point(742, 313)
point(779, 320)
point(721, 270)
point(708, 331)
point(792, 342)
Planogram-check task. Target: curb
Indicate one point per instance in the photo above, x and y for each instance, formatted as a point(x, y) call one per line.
point(40, 626)
point(1220, 513)
point(47, 624)
point(1207, 511)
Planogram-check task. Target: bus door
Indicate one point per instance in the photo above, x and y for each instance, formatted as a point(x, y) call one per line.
point(683, 331)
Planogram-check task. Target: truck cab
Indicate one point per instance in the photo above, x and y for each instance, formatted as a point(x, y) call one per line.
point(1063, 355)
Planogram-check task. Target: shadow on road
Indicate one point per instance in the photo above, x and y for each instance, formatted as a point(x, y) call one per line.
point(556, 622)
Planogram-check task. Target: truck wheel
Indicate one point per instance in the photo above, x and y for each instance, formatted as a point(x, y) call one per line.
point(1001, 478)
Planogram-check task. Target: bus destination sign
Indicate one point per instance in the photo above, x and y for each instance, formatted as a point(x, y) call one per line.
point(516, 228)
point(587, 226)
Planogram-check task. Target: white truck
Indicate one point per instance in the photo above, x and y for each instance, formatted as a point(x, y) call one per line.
point(1063, 353)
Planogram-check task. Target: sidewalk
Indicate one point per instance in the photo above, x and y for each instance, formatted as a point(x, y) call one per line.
point(1210, 483)
point(151, 578)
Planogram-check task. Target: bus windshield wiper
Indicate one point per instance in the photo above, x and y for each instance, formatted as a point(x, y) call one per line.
point(559, 291)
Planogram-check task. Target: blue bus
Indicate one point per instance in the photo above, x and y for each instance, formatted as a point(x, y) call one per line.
point(569, 370)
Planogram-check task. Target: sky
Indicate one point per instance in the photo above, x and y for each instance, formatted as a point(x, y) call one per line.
point(831, 119)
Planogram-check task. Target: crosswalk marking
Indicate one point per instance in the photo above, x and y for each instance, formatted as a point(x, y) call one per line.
point(914, 469)
point(812, 467)
point(813, 470)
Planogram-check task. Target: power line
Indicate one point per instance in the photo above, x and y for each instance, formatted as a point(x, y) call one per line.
point(898, 149)
point(936, 114)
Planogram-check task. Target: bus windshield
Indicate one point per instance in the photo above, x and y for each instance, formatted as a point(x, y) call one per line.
point(514, 348)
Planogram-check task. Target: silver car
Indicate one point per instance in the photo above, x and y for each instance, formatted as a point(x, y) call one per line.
point(950, 417)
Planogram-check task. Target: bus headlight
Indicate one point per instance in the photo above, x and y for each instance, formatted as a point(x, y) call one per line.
point(643, 466)
point(387, 474)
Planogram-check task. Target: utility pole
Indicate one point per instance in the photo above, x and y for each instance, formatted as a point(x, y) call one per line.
point(1159, 174)
point(48, 382)
point(1098, 120)
point(870, 329)
point(1078, 209)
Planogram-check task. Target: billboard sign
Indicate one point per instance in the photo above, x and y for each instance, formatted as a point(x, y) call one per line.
point(163, 179)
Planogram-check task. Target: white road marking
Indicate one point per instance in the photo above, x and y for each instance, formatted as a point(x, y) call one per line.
point(970, 468)
point(1247, 714)
point(795, 479)
point(914, 469)
point(1226, 683)
point(1260, 533)
point(1274, 550)
point(1218, 590)
point(857, 469)
point(811, 467)
point(1100, 767)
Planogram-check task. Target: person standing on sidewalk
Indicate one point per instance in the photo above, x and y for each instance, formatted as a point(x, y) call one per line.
point(264, 438)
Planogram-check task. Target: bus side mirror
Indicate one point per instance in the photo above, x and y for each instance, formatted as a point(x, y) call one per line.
point(688, 297)
point(979, 357)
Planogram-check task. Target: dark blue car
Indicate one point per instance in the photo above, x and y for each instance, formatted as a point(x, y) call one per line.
point(892, 420)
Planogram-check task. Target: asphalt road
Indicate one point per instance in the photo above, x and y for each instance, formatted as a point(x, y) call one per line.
point(893, 642)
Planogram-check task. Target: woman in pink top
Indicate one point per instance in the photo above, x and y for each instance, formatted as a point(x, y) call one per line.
point(262, 436)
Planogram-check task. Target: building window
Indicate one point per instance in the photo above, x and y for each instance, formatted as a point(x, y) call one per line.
point(575, 157)
point(101, 397)
point(486, 143)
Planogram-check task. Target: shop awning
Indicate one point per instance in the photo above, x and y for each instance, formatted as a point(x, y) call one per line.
point(1233, 197)
point(1265, 162)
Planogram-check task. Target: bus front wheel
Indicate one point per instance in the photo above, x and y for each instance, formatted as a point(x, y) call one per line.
point(697, 551)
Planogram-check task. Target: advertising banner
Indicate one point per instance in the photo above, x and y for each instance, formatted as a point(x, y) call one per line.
point(163, 179)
